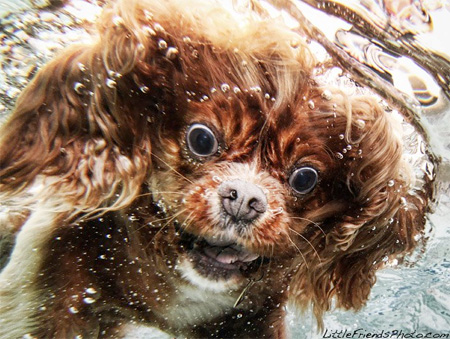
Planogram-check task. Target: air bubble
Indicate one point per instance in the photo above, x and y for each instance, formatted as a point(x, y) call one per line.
point(236, 90)
point(158, 27)
point(341, 136)
point(339, 155)
point(295, 43)
point(311, 104)
point(162, 44)
point(277, 211)
point(225, 87)
point(144, 89)
point(91, 290)
point(326, 95)
point(172, 53)
point(148, 30)
point(73, 310)
point(111, 83)
point(89, 300)
point(81, 67)
point(217, 179)
point(78, 87)
point(148, 15)
point(361, 123)
point(391, 183)
point(117, 20)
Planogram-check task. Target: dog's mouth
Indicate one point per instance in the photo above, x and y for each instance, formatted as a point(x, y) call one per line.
point(219, 259)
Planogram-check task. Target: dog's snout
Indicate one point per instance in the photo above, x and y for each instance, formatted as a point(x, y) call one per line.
point(242, 200)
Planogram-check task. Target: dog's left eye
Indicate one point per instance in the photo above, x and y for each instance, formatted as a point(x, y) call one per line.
point(201, 140)
point(303, 179)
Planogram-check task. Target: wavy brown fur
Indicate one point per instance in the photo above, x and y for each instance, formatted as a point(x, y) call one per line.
point(95, 164)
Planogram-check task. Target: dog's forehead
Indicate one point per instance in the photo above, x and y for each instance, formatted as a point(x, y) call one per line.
point(247, 121)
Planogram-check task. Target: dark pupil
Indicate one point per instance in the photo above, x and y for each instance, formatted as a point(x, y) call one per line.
point(202, 141)
point(304, 180)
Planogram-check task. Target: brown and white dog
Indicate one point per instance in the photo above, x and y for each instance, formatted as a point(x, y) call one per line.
point(186, 171)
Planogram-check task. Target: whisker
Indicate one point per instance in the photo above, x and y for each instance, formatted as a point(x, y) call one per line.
point(309, 242)
point(167, 223)
point(161, 192)
point(188, 220)
point(174, 216)
point(299, 251)
point(314, 223)
point(261, 131)
point(272, 247)
point(162, 219)
point(173, 169)
point(169, 220)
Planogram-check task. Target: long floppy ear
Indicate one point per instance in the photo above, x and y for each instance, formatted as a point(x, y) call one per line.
point(84, 121)
point(385, 219)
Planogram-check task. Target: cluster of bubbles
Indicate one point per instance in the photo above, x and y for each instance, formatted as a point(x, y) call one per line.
point(28, 40)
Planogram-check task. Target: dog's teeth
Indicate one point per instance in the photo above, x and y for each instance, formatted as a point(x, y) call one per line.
point(247, 257)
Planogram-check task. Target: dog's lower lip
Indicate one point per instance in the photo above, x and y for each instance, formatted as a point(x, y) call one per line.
point(229, 254)
point(218, 253)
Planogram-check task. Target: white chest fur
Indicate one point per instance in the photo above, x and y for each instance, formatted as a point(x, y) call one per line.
point(194, 305)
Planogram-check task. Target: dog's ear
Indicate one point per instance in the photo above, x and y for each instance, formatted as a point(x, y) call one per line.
point(84, 120)
point(384, 221)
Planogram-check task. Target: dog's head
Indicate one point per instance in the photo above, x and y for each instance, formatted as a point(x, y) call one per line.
point(251, 162)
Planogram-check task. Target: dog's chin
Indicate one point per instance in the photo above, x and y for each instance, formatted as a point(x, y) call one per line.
point(216, 264)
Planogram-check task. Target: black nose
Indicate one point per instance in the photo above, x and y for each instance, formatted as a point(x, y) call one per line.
point(242, 200)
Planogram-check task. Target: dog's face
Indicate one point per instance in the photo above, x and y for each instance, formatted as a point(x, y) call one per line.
point(246, 184)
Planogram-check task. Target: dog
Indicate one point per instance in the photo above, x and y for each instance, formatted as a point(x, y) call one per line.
point(187, 171)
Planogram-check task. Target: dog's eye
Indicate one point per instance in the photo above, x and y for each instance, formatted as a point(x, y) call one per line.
point(303, 180)
point(201, 140)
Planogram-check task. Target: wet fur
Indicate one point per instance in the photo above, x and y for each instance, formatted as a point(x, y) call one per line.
point(100, 183)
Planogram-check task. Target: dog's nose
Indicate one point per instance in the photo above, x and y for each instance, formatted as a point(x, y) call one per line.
point(242, 200)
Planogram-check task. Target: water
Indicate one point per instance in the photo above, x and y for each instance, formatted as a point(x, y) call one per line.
point(415, 298)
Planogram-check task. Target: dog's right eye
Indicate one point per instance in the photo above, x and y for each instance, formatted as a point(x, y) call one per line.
point(303, 180)
point(201, 140)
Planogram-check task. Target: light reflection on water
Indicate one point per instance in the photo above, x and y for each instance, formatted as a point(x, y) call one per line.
point(415, 298)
